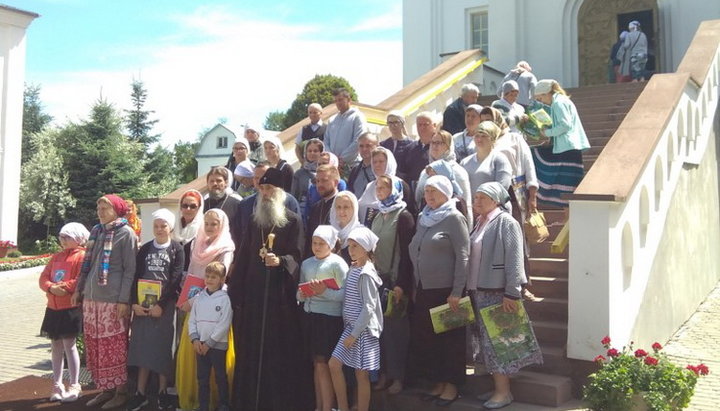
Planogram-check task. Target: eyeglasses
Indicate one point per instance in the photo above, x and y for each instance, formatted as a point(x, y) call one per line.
point(190, 206)
point(437, 143)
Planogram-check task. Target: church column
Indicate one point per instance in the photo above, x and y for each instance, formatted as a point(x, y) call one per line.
point(13, 23)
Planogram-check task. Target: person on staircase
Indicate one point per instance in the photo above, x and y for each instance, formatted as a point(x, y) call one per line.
point(558, 161)
point(454, 115)
point(398, 142)
point(496, 275)
point(314, 130)
point(633, 54)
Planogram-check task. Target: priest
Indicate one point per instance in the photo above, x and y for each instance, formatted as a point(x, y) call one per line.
point(272, 371)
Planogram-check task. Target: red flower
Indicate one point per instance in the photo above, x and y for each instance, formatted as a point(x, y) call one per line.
point(656, 346)
point(606, 341)
point(599, 358)
point(650, 360)
point(640, 353)
point(703, 369)
point(613, 352)
point(693, 369)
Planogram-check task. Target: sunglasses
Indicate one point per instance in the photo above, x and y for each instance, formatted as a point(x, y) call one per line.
point(190, 206)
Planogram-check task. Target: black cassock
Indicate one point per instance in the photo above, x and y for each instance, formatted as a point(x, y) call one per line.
point(287, 378)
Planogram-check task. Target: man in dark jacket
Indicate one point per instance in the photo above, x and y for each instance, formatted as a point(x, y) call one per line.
point(454, 115)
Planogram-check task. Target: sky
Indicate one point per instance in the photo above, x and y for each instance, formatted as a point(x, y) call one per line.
point(203, 61)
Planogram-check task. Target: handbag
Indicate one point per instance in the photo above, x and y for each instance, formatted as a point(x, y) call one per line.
point(535, 229)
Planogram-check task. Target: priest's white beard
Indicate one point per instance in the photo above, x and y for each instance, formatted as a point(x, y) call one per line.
point(269, 213)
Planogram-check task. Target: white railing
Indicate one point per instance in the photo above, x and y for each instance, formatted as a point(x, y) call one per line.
point(614, 238)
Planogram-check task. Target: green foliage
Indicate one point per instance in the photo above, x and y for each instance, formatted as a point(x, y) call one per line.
point(137, 119)
point(34, 119)
point(275, 121)
point(627, 374)
point(184, 160)
point(80, 344)
point(14, 254)
point(49, 245)
point(44, 189)
point(24, 263)
point(318, 90)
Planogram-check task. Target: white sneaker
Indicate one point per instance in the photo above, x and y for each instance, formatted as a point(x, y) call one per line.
point(73, 393)
point(58, 393)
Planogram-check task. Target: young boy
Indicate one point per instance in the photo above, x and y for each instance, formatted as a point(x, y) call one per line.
point(209, 323)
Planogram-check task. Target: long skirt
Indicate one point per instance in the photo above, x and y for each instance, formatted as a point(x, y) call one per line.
point(557, 174)
point(435, 357)
point(106, 343)
point(482, 349)
point(151, 341)
point(186, 371)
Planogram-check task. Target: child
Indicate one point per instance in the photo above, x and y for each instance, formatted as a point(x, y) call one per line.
point(152, 329)
point(359, 345)
point(63, 321)
point(209, 324)
point(323, 308)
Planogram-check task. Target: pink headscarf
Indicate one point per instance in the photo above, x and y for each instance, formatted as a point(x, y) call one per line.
point(203, 253)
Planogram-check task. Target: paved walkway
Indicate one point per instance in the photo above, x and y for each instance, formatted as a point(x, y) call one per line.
point(698, 341)
point(23, 352)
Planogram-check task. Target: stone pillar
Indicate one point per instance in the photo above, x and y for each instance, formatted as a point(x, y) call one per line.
point(13, 23)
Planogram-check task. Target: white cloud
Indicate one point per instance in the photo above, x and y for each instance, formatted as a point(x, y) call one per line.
point(388, 21)
point(236, 68)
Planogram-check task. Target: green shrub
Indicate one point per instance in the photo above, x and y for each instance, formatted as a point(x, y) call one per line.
point(14, 254)
point(49, 245)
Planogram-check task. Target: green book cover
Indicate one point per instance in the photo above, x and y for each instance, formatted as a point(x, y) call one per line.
point(511, 334)
point(396, 309)
point(444, 319)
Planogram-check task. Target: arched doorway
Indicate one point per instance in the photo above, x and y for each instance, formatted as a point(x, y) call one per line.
point(599, 25)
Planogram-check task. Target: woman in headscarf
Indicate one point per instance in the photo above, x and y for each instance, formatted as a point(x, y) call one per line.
point(441, 148)
point(394, 225)
point(187, 224)
point(486, 164)
point(274, 152)
point(104, 285)
point(444, 168)
point(240, 150)
point(439, 253)
point(496, 276)
point(398, 142)
point(257, 151)
point(344, 218)
point(382, 162)
point(633, 54)
point(558, 162)
point(213, 243)
point(306, 174)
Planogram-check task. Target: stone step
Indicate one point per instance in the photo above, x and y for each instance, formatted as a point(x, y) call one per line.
point(547, 309)
point(542, 250)
point(551, 332)
point(551, 287)
point(549, 267)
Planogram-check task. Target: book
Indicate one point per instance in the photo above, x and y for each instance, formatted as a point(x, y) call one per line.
point(511, 334)
point(329, 283)
point(191, 287)
point(148, 292)
point(396, 309)
point(444, 319)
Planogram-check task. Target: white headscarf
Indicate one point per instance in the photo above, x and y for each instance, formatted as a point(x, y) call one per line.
point(430, 217)
point(76, 231)
point(244, 141)
point(203, 253)
point(275, 141)
point(165, 215)
point(183, 235)
point(245, 169)
point(343, 232)
point(369, 198)
point(328, 234)
point(365, 237)
point(399, 115)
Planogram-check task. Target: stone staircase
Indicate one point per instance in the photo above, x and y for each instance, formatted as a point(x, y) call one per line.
point(557, 384)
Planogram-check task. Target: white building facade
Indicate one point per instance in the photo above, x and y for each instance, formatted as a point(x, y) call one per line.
point(568, 40)
point(13, 24)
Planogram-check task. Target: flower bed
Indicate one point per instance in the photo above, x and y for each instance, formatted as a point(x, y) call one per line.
point(25, 262)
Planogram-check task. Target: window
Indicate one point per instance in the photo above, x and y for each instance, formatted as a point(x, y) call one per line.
point(222, 142)
point(479, 31)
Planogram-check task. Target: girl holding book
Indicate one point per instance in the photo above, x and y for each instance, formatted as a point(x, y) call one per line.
point(213, 243)
point(157, 277)
point(496, 275)
point(63, 320)
point(323, 308)
point(359, 345)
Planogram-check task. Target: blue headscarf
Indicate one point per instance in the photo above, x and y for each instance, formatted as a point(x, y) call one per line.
point(395, 200)
point(444, 168)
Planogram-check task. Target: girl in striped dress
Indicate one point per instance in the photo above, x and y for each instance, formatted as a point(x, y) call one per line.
point(359, 345)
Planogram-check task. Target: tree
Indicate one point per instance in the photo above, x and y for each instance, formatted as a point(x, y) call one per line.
point(137, 120)
point(45, 194)
point(34, 119)
point(318, 90)
point(275, 121)
point(185, 162)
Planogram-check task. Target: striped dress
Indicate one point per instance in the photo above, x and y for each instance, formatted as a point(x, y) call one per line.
point(365, 353)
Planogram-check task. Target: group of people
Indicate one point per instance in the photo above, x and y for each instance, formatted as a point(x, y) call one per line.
point(629, 55)
point(279, 280)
